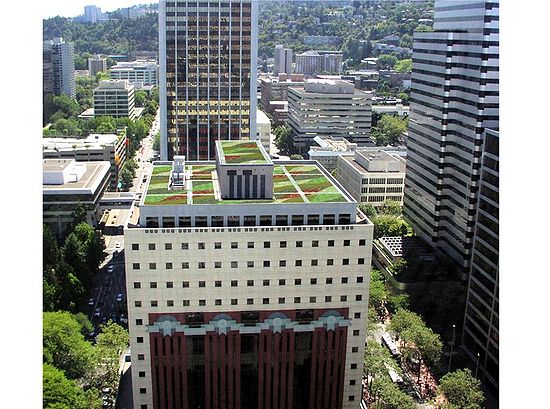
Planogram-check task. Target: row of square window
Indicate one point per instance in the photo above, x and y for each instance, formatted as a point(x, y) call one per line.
point(249, 283)
point(250, 245)
point(249, 301)
point(249, 264)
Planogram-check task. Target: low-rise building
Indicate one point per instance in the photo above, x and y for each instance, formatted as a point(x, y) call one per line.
point(327, 150)
point(332, 108)
point(95, 147)
point(68, 184)
point(114, 98)
point(275, 89)
point(138, 73)
point(263, 130)
point(373, 176)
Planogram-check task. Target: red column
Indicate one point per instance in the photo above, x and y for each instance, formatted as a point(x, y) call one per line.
point(207, 369)
point(162, 368)
point(284, 358)
point(223, 370)
point(237, 357)
point(268, 365)
point(230, 361)
point(215, 365)
point(313, 370)
point(168, 369)
point(320, 366)
point(176, 339)
point(342, 363)
point(335, 361)
point(154, 368)
point(291, 364)
point(261, 357)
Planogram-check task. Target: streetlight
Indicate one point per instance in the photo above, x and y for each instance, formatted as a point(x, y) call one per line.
point(452, 344)
point(477, 363)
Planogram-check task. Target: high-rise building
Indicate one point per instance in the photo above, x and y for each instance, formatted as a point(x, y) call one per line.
point(93, 14)
point(318, 62)
point(282, 63)
point(58, 67)
point(139, 73)
point(454, 97)
point(247, 285)
point(329, 108)
point(114, 98)
point(481, 335)
point(208, 63)
point(97, 64)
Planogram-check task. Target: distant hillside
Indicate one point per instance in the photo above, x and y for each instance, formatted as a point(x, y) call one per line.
point(109, 37)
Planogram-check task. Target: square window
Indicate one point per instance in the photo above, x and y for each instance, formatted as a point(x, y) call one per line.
point(250, 264)
point(137, 284)
point(344, 280)
point(354, 349)
point(152, 246)
point(234, 301)
point(202, 303)
point(299, 244)
point(313, 281)
point(355, 332)
point(167, 246)
point(135, 246)
point(330, 243)
point(142, 390)
point(250, 301)
point(353, 366)
point(154, 303)
point(314, 263)
point(217, 283)
point(250, 283)
point(357, 315)
point(185, 284)
point(267, 244)
point(153, 284)
point(347, 243)
point(361, 260)
point(328, 280)
point(265, 300)
point(359, 279)
point(297, 300)
point(139, 321)
point(143, 406)
point(282, 263)
point(351, 398)
point(345, 261)
point(234, 245)
point(234, 264)
point(169, 266)
point(139, 340)
point(169, 303)
point(297, 281)
point(267, 263)
point(217, 245)
point(362, 242)
point(169, 284)
point(234, 283)
point(250, 245)
point(218, 301)
point(298, 263)
point(313, 299)
point(266, 283)
point(330, 262)
point(343, 298)
point(217, 264)
point(135, 266)
point(201, 245)
point(352, 382)
point(142, 375)
point(201, 264)
point(315, 243)
point(152, 266)
point(202, 284)
point(141, 357)
point(282, 281)
point(282, 244)
point(137, 304)
point(185, 303)
point(328, 298)
point(185, 246)
point(358, 297)
point(185, 265)
point(281, 300)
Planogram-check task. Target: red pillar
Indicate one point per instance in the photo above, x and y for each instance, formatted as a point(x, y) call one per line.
point(207, 369)
point(291, 364)
point(168, 369)
point(261, 356)
point(284, 358)
point(268, 366)
point(162, 368)
point(154, 368)
point(320, 366)
point(230, 361)
point(313, 370)
point(328, 366)
point(335, 360)
point(237, 357)
point(215, 365)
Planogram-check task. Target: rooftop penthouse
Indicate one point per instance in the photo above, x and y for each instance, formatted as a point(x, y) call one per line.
point(253, 190)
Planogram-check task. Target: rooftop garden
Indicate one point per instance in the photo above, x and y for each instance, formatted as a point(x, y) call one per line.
point(242, 152)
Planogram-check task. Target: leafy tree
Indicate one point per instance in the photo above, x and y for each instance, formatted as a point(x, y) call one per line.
point(58, 392)
point(283, 140)
point(404, 97)
point(368, 209)
point(395, 302)
point(387, 225)
point(80, 214)
point(389, 396)
point(386, 62)
point(376, 362)
point(85, 324)
point(462, 390)
point(391, 207)
point(140, 97)
point(126, 178)
point(406, 41)
point(67, 105)
point(404, 65)
point(296, 157)
point(399, 266)
point(389, 130)
point(156, 142)
point(64, 345)
point(377, 290)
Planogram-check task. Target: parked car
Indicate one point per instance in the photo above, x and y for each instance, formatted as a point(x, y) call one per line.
point(110, 269)
point(91, 301)
point(97, 312)
point(119, 297)
point(123, 319)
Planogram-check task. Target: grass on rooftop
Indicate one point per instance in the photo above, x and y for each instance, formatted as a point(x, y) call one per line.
point(242, 152)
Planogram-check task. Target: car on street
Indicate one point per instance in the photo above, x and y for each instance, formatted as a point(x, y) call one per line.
point(123, 319)
point(97, 312)
point(119, 297)
point(91, 301)
point(113, 317)
point(110, 269)
point(117, 245)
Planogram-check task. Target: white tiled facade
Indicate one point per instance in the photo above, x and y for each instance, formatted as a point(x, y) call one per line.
point(231, 269)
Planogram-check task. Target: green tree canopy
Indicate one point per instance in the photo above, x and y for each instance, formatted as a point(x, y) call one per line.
point(386, 225)
point(462, 390)
point(156, 142)
point(58, 392)
point(389, 396)
point(391, 207)
point(404, 65)
point(368, 209)
point(389, 129)
point(283, 140)
point(377, 290)
point(386, 61)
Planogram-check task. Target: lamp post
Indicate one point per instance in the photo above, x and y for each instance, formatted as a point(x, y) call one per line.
point(477, 364)
point(452, 344)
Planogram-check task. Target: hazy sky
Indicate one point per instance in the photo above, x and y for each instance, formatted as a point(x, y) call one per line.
point(71, 8)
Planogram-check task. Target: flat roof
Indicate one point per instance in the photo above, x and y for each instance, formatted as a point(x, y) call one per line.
point(293, 182)
point(88, 183)
point(242, 153)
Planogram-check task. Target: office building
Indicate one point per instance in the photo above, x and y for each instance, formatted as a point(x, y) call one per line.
point(372, 176)
point(454, 97)
point(207, 76)
point(93, 14)
point(481, 334)
point(275, 89)
point(114, 98)
point(318, 62)
point(93, 148)
point(97, 64)
point(247, 287)
point(326, 151)
point(329, 108)
point(68, 184)
point(263, 130)
point(58, 67)
point(282, 60)
point(138, 73)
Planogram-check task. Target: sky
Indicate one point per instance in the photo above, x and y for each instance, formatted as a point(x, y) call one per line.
point(72, 8)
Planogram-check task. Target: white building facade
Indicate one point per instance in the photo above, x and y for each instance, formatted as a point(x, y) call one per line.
point(114, 98)
point(139, 73)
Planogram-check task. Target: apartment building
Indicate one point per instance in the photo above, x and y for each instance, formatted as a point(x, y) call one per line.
point(96, 64)
point(208, 63)
point(114, 98)
point(247, 285)
point(372, 176)
point(263, 130)
point(58, 67)
point(316, 62)
point(138, 73)
point(331, 108)
point(282, 63)
point(274, 90)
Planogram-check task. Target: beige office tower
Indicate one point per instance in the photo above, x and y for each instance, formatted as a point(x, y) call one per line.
point(247, 285)
point(208, 63)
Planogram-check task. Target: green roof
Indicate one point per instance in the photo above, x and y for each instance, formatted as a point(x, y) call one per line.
point(291, 184)
point(242, 152)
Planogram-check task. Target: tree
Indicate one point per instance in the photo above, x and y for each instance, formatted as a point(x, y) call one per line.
point(404, 65)
point(377, 290)
point(395, 302)
point(391, 207)
point(377, 360)
point(389, 130)
point(368, 209)
point(126, 178)
point(64, 345)
point(389, 396)
point(61, 393)
point(140, 96)
point(80, 214)
point(388, 225)
point(462, 390)
point(156, 142)
point(296, 157)
point(386, 61)
point(283, 140)
point(399, 266)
